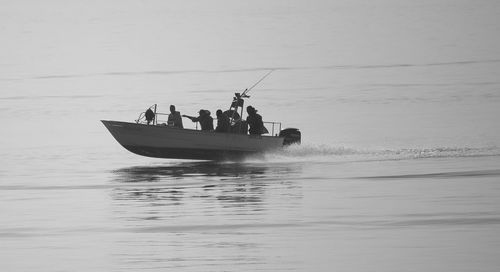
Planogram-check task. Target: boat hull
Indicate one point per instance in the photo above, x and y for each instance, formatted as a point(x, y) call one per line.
point(171, 142)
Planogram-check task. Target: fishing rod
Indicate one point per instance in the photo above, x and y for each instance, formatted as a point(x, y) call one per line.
point(244, 94)
point(238, 100)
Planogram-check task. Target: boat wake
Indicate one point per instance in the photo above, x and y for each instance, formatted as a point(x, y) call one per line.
point(326, 153)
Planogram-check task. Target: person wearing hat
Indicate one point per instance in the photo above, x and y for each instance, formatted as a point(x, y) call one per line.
point(254, 121)
point(206, 121)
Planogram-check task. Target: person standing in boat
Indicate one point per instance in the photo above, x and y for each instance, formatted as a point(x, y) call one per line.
point(254, 121)
point(174, 118)
point(223, 123)
point(206, 121)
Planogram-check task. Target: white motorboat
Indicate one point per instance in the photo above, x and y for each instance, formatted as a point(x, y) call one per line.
point(170, 142)
point(162, 140)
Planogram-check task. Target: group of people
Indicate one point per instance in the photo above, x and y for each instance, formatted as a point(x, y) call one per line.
point(254, 120)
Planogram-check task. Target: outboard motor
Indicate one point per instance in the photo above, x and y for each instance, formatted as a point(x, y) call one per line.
point(291, 135)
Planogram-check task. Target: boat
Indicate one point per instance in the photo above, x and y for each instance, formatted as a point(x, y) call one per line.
point(158, 139)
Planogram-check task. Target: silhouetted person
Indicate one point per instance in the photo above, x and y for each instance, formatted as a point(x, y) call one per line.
point(150, 116)
point(206, 121)
point(223, 123)
point(254, 121)
point(174, 118)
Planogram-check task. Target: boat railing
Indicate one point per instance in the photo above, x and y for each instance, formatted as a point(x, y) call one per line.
point(273, 128)
point(161, 118)
point(142, 116)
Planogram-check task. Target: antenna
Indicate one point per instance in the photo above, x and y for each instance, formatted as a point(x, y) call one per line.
point(238, 100)
point(244, 94)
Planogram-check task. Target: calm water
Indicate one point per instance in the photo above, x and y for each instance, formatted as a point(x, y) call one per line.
point(398, 103)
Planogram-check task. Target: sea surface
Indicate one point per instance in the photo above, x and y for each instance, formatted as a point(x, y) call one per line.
point(398, 103)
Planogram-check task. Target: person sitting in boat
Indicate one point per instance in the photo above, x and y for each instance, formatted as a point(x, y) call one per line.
point(223, 123)
point(206, 121)
point(150, 116)
point(174, 118)
point(254, 121)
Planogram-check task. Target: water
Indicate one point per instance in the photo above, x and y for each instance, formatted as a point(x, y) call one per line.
point(397, 101)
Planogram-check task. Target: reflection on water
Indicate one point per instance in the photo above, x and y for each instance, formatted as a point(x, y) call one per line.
point(201, 213)
point(199, 169)
point(242, 186)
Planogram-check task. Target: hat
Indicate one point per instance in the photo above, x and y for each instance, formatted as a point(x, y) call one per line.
point(204, 112)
